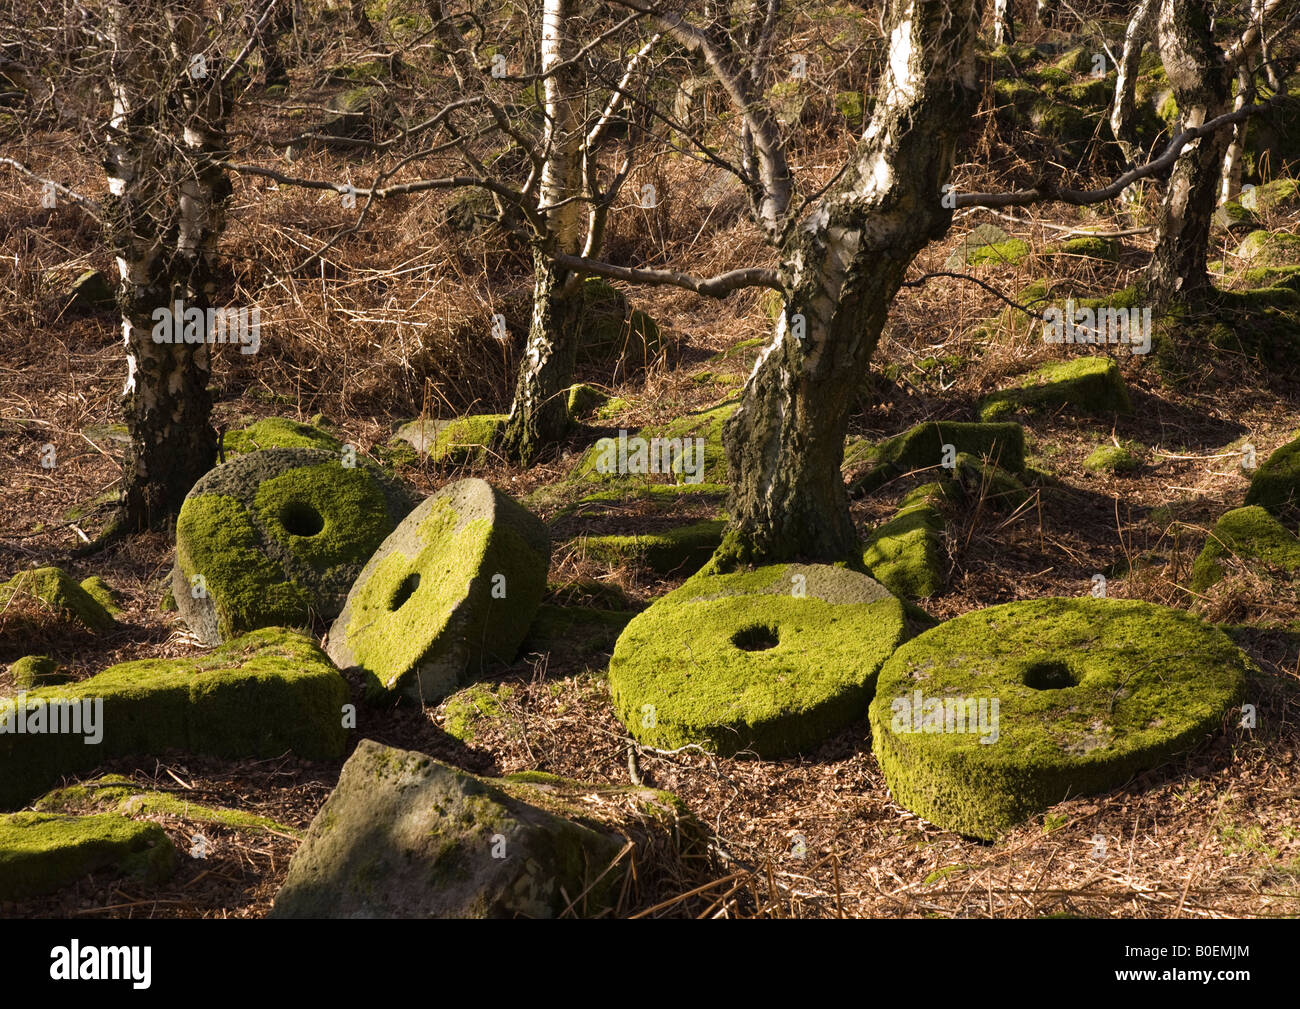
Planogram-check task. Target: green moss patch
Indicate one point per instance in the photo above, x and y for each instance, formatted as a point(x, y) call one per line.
point(772, 661)
point(1124, 458)
point(1105, 249)
point(256, 696)
point(1088, 693)
point(114, 793)
point(922, 448)
point(278, 536)
point(600, 462)
point(100, 591)
point(1270, 248)
point(682, 550)
point(905, 554)
point(1090, 385)
point(1278, 195)
point(43, 852)
point(1251, 535)
point(53, 589)
point(454, 587)
point(279, 432)
point(459, 442)
point(584, 400)
point(32, 671)
point(465, 711)
point(987, 245)
point(1276, 484)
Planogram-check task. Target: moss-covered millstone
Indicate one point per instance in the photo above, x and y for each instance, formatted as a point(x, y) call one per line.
point(772, 661)
point(459, 442)
point(404, 836)
point(44, 852)
point(454, 587)
point(922, 448)
point(978, 480)
point(682, 551)
point(1088, 692)
point(987, 245)
point(279, 432)
point(1092, 247)
point(1276, 484)
point(1278, 195)
point(1251, 535)
point(278, 537)
point(54, 589)
point(584, 400)
point(905, 554)
point(581, 631)
point(1090, 385)
point(256, 696)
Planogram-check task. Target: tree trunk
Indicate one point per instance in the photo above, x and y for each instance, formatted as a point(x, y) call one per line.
point(1201, 80)
point(539, 415)
point(160, 195)
point(1004, 22)
point(840, 270)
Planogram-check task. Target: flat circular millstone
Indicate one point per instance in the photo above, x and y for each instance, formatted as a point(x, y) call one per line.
point(456, 585)
point(998, 714)
point(772, 661)
point(276, 538)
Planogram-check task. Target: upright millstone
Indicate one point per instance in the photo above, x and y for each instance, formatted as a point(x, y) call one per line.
point(455, 586)
point(277, 537)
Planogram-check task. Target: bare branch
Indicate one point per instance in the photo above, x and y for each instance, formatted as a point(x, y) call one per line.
point(714, 287)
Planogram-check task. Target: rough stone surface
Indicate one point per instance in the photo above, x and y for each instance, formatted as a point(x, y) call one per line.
point(404, 836)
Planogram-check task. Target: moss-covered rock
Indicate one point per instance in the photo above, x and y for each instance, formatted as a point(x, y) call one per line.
point(100, 591)
point(677, 551)
point(772, 661)
point(905, 554)
point(404, 836)
point(584, 400)
point(581, 631)
point(1270, 248)
point(1124, 458)
point(32, 671)
point(459, 442)
point(1090, 247)
point(53, 589)
point(1234, 219)
point(1278, 195)
point(276, 538)
point(998, 714)
point(465, 711)
point(279, 432)
point(1091, 385)
point(986, 244)
point(115, 793)
point(90, 292)
point(453, 588)
point(256, 696)
point(1253, 536)
point(600, 462)
point(922, 448)
point(1275, 486)
point(610, 330)
point(980, 480)
point(44, 852)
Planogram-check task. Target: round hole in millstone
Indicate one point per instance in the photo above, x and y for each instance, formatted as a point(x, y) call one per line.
point(405, 590)
point(758, 638)
point(1050, 675)
point(301, 519)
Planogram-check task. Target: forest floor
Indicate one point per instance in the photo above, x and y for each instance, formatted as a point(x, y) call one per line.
point(1215, 833)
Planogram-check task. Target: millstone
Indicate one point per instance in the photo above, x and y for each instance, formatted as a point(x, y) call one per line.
point(276, 538)
point(771, 661)
point(999, 714)
point(456, 585)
